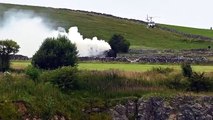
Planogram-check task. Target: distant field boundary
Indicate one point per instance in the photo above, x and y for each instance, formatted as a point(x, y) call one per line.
point(193, 36)
point(120, 66)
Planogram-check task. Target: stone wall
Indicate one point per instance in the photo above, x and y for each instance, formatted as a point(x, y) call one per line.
point(156, 108)
point(149, 59)
point(188, 35)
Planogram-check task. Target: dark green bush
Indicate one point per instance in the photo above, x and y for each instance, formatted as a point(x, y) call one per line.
point(119, 44)
point(186, 70)
point(55, 53)
point(198, 82)
point(65, 78)
point(33, 73)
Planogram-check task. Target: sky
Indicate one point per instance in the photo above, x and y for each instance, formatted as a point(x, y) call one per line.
point(191, 13)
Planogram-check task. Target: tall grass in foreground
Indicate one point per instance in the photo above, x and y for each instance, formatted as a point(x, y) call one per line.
point(43, 100)
point(111, 83)
point(157, 79)
point(101, 89)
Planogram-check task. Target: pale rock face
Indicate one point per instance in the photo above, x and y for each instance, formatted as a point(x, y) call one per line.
point(155, 108)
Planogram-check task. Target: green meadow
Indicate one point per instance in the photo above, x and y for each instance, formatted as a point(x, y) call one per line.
point(121, 66)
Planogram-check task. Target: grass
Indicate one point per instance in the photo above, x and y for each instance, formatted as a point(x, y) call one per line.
point(138, 67)
point(45, 100)
point(20, 64)
point(104, 27)
point(121, 66)
point(101, 88)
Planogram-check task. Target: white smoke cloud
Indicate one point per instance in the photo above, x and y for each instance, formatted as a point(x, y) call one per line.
point(24, 28)
point(86, 47)
point(29, 31)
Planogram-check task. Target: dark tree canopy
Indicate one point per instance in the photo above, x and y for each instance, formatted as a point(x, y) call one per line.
point(186, 70)
point(119, 44)
point(55, 53)
point(7, 47)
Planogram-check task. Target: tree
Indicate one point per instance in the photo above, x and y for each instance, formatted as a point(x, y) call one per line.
point(55, 53)
point(186, 70)
point(198, 82)
point(119, 44)
point(7, 47)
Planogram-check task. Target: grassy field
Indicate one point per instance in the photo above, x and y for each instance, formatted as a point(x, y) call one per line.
point(20, 64)
point(104, 27)
point(138, 67)
point(121, 66)
point(203, 32)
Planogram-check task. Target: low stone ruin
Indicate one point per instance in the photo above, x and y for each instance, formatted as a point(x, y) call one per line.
point(149, 59)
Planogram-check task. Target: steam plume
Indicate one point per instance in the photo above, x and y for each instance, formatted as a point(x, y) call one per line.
point(29, 31)
point(86, 47)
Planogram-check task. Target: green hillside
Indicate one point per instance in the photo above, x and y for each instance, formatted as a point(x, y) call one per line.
point(103, 26)
point(195, 31)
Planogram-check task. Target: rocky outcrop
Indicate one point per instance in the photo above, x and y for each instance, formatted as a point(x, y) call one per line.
point(155, 108)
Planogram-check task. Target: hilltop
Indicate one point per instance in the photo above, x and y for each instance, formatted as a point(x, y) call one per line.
point(104, 26)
